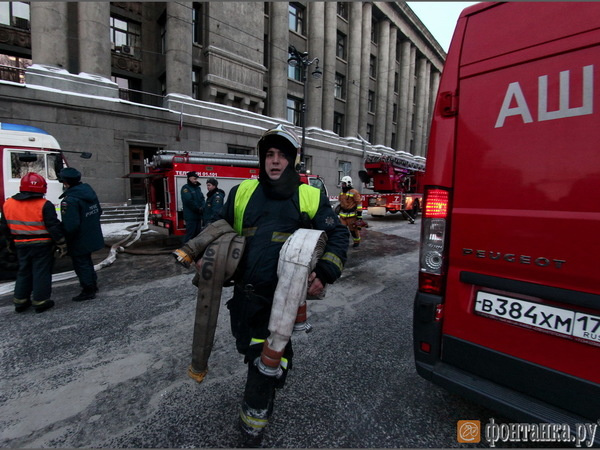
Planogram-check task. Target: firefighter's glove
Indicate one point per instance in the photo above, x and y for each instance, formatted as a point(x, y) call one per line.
point(183, 256)
point(10, 247)
point(360, 223)
point(61, 248)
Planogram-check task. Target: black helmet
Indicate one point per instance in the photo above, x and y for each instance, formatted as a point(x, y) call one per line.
point(283, 139)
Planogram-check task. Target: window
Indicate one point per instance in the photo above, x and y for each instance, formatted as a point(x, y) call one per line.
point(296, 18)
point(197, 22)
point(371, 101)
point(338, 124)
point(373, 66)
point(370, 133)
point(45, 165)
point(393, 140)
point(15, 14)
point(238, 150)
point(294, 108)
point(197, 84)
point(340, 51)
point(342, 10)
point(344, 169)
point(340, 86)
point(395, 113)
point(396, 82)
point(294, 72)
point(374, 38)
point(125, 33)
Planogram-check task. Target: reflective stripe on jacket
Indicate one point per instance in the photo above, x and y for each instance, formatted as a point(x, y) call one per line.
point(26, 221)
point(309, 201)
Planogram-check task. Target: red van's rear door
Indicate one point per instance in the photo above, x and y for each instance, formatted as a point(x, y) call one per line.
point(523, 281)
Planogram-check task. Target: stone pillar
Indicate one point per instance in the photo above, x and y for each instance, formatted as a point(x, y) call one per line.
point(179, 49)
point(421, 103)
point(403, 124)
point(49, 34)
point(328, 63)
point(364, 69)
point(411, 100)
point(94, 38)
point(278, 51)
point(383, 56)
point(353, 89)
point(316, 35)
point(390, 89)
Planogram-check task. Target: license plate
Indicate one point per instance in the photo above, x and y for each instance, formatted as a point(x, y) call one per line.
point(575, 325)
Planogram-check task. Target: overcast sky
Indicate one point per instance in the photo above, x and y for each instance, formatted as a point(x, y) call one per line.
point(439, 18)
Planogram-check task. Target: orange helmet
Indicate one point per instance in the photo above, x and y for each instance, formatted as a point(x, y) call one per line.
point(33, 182)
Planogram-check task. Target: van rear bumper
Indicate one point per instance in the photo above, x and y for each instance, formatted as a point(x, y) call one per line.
point(516, 389)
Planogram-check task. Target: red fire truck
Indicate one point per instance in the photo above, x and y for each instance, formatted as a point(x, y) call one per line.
point(397, 184)
point(167, 173)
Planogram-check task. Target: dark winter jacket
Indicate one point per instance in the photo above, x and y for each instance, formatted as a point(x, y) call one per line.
point(213, 205)
point(268, 222)
point(81, 211)
point(192, 199)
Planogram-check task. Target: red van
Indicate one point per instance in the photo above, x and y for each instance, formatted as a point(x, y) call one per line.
point(508, 308)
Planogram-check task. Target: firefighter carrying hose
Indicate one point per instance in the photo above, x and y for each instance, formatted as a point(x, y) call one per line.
point(350, 209)
point(266, 212)
point(30, 223)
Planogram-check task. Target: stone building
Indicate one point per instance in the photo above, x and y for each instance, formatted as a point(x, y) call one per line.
point(126, 79)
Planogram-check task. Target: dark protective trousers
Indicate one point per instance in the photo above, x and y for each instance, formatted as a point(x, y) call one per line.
point(34, 278)
point(192, 229)
point(84, 268)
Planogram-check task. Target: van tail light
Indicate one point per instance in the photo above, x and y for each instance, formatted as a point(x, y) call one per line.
point(433, 241)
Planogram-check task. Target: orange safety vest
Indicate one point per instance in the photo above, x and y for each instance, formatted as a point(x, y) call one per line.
point(26, 221)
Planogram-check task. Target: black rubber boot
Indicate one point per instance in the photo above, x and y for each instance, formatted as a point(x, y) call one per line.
point(44, 306)
point(88, 293)
point(22, 305)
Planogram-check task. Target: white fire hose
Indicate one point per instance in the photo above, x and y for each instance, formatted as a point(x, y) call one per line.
point(297, 259)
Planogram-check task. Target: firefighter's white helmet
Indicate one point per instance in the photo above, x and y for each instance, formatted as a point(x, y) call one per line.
point(347, 180)
point(283, 138)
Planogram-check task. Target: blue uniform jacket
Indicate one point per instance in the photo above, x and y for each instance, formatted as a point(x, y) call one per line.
point(80, 211)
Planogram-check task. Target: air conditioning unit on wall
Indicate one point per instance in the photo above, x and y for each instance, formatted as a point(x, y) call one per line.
point(127, 50)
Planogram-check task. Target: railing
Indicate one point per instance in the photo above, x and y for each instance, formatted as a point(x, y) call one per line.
point(12, 73)
point(145, 98)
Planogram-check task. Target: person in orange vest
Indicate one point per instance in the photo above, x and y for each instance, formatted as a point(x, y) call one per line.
point(350, 209)
point(32, 228)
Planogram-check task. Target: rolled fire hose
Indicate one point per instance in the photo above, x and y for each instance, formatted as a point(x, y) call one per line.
point(297, 259)
point(221, 249)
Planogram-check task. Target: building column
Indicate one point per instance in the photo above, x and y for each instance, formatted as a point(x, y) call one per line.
point(94, 38)
point(316, 36)
point(328, 62)
point(403, 124)
point(278, 51)
point(421, 103)
point(364, 69)
point(383, 55)
point(389, 129)
point(49, 45)
point(411, 100)
point(353, 83)
point(179, 49)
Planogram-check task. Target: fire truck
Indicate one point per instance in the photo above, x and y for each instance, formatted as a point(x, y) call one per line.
point(397, 184)
point(167, 173)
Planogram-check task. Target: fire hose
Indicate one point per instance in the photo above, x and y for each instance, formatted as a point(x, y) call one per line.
point(297, 259)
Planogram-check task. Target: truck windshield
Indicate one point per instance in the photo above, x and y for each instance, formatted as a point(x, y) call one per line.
point(45, 164)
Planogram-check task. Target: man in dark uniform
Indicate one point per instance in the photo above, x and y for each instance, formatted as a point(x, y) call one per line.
point(215, 198)
point(81, 211)
point(30, 224)
point(267, 216)
point(192, 199)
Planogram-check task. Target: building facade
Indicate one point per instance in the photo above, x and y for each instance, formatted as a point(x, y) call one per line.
point(124, 80)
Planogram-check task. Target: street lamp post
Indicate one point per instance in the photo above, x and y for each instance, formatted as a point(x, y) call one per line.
point(298, 59)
